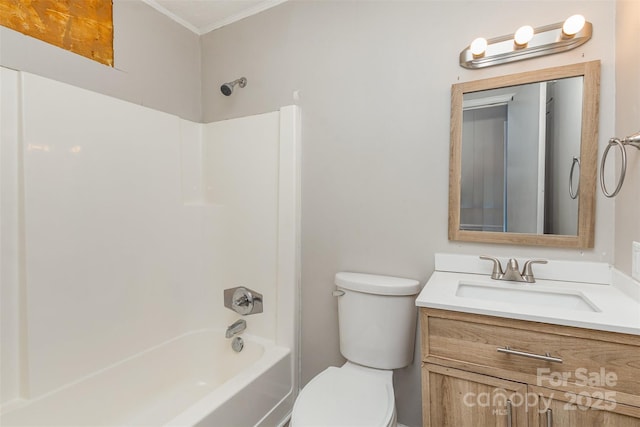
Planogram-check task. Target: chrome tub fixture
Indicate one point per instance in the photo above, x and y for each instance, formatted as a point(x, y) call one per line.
point(243, 300)
point(527, 42)
point(236, 328)
point(631, 140)
point(237, 344)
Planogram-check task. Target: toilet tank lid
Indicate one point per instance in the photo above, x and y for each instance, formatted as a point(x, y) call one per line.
point(379, 285)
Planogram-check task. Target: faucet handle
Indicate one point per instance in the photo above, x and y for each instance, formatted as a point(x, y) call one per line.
point(243, 300)
point(497, 267)
point(527, 272)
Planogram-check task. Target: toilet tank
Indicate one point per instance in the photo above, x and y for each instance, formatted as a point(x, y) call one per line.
point(377, 319)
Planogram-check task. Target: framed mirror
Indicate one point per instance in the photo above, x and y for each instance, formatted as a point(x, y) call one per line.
point(523, 159)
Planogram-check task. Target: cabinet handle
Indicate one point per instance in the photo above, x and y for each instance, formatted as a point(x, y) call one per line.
point(546, 357)
point(509, 415)
point(549, 418)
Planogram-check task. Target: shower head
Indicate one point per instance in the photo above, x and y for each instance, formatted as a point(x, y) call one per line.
point(227, 88)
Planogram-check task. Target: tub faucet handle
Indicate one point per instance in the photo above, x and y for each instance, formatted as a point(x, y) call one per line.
point(243, 300)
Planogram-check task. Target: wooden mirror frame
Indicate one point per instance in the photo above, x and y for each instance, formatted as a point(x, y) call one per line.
point(588, 157)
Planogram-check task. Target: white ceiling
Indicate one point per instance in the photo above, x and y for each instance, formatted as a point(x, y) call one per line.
point(202, 16)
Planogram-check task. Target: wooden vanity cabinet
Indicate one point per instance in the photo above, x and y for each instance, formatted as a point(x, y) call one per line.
point(570, 409)
point(576, 377)
point(469, 399)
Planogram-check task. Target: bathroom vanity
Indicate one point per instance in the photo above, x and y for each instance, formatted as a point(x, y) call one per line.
point(552, 353)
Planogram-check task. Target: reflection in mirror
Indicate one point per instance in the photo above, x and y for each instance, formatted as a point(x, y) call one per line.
point(523, 157)
point(518, 146)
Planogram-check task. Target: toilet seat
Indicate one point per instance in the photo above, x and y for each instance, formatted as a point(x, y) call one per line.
point(347, 396)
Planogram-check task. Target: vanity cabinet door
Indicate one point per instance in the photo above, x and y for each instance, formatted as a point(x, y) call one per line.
point(455, 398)
point(564, 409)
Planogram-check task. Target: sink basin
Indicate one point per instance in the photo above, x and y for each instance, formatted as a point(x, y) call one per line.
point(526, 295)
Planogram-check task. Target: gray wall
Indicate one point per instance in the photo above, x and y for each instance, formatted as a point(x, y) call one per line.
point(627, 203)
point(373, 81)
point(157, 61)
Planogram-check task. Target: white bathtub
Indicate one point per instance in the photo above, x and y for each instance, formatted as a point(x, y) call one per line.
point(195, 379)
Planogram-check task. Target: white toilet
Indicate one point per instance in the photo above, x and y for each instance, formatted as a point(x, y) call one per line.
point(377, 321)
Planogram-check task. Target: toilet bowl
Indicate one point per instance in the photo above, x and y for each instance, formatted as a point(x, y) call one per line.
point(348, 396)
point(377, 324)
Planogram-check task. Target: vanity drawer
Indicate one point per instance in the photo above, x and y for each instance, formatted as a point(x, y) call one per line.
point(470, 342)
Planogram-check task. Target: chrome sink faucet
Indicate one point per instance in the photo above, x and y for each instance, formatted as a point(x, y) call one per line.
point(235, 328)
point(512, 271)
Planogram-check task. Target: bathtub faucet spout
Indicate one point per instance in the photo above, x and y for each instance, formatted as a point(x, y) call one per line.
point(235, 328)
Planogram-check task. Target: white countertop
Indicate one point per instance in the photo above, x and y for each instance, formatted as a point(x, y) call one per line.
point(617, 310)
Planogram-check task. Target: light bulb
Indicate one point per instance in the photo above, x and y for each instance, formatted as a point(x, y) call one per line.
point(573, 25)
point(478, 46)
point(523, 35)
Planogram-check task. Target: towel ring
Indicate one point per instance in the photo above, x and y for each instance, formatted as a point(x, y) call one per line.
point(623, 170)
point(571, 193)
point(632, 140)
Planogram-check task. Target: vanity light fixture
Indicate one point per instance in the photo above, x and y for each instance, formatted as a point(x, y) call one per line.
point(527, 42)
point(478, 46)
point(523, 36)
point(573, 25)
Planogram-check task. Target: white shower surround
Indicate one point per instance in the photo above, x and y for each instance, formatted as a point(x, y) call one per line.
point(122, 225)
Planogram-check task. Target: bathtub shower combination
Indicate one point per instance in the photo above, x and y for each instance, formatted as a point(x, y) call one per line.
point(121, 227)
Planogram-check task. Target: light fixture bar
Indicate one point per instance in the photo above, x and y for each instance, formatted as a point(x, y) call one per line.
point(546, 40)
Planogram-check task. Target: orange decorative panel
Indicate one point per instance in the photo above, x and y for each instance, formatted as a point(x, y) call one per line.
point(81, 26)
